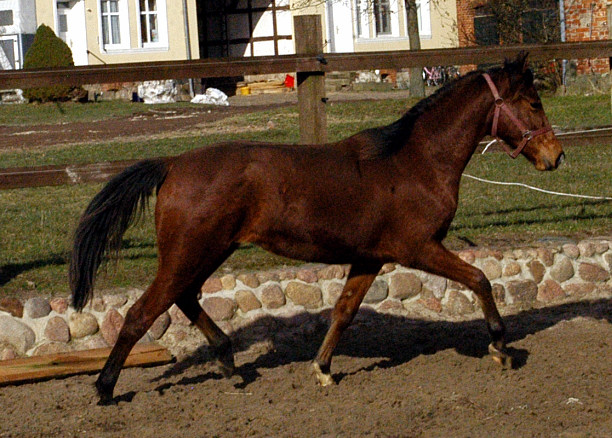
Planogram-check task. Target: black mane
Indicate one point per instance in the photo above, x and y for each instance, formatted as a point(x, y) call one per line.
point(387, 140)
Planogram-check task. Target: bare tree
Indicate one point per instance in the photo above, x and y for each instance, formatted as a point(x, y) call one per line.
point(417, 87)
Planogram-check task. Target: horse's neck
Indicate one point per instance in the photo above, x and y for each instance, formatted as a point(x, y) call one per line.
point(447, 135)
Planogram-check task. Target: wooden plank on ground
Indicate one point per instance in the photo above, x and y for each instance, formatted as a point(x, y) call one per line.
point(35, 368)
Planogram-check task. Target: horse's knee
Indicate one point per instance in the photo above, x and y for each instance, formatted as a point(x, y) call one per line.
point(481, 284)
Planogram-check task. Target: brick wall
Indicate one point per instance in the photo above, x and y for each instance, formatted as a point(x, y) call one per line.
point(465, 26)
point(586, 20)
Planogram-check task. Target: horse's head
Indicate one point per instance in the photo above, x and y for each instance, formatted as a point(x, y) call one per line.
point(519, 118)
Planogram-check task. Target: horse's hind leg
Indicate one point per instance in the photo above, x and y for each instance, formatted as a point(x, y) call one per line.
point(180, 276)
point(155, 301)
point(359, 281)
point(219, 341)
point(438, 260)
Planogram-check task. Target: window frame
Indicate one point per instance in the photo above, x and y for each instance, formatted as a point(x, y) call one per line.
point(365, 20)
point(162, 26)
point(382, 8)
point(424, 17)
point(123, 23)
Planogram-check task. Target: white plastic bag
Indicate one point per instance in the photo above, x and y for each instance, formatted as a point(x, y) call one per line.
point(211, 97)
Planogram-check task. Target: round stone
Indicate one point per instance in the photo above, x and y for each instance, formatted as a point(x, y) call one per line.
point(111, 326)
point(219, 309)
point(549, 290)
point(378, 292)
point(246, 301)
point(36, 307)
point(249, 280)
point(563, 270)
point(306, 295)
point(272, 297)
point(16, 334)
point(57, 330)
point(492, 269)
point(333, 289)
point(404, 285)
point(511, 269)
point(59, 305)
point(160, 326)
point(12, 306)
point(458, 304)
point(82, 324)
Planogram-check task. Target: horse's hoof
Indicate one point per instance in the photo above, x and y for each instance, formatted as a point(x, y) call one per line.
point(500, 357)
point(227, 369)
point(106, 397)
point(225, 359)
point(225, 362)
point(107, 401)
point(324, 379)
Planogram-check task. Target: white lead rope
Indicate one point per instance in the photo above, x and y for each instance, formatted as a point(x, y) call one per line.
point(537, 189)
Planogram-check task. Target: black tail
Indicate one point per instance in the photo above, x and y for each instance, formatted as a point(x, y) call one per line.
point(111, 212)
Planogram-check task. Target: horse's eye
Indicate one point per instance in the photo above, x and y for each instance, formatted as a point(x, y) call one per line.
point(535, 105)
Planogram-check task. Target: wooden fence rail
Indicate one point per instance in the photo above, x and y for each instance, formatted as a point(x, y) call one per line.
point(70, 174)
point(328, 62)
point(65, 174)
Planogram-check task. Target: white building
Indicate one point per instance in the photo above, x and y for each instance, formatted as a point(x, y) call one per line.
point(17, 29)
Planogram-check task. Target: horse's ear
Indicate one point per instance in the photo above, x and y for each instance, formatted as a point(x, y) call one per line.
point(519, 64)
point(521, 60)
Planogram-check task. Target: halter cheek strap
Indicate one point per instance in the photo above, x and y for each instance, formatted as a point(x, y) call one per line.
point(500, 106)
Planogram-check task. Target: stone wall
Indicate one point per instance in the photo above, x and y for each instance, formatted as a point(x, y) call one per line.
point(255, 304)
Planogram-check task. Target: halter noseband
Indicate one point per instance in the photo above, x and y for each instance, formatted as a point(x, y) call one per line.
point(501, 106)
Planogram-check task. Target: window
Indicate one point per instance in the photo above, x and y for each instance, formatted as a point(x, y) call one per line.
point(149, 27)
point(379, 17)
point(362, 19)
point(424, 17)
point(62, 22)
point(111, 30)
point(382, 17)
point(152, 23)
point(114, 25)
point(6, 18)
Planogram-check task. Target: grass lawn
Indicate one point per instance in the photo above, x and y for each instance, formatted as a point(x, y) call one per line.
point(36, 224)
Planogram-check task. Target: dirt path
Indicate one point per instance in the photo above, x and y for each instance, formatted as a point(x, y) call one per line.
point(156, 121)
point(149, 124)
point(397, 377)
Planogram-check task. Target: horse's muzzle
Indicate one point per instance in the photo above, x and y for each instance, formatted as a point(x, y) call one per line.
point(546, 164)
point(560, 159)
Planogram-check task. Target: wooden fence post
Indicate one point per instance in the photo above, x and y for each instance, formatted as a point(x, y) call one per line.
point(311, 85)
point(609, 10)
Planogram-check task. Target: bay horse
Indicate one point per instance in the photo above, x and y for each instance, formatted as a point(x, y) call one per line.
point(385, 194)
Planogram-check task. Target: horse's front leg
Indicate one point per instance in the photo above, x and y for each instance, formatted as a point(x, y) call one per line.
point(359, 280)
point(436, 259)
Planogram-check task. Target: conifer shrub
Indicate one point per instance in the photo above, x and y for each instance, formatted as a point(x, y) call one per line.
point(48, 50)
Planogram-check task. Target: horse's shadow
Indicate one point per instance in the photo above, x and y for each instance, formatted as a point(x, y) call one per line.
point(391, 339)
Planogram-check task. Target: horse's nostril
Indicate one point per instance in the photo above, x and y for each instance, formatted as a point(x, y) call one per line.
point(560, 159)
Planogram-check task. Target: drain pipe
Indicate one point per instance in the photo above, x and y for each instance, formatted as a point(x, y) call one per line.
point(562, 26)
point(188, 43)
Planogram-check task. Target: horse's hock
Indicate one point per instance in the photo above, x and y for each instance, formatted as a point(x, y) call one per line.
point(256, 306)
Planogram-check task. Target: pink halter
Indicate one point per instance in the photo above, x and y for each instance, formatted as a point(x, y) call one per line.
point(501, 106)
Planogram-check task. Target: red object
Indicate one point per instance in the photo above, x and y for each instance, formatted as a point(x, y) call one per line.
point(289, 81)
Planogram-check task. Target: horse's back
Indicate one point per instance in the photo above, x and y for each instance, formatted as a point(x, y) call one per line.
point(288, 199)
